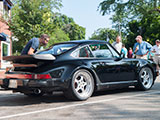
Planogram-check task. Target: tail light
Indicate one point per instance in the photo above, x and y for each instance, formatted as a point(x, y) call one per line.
point(29, 76)
point(42, 76)
point(19, 76)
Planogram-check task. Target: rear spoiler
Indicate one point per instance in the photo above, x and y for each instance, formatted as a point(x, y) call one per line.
point(14, 58)
point(44, 57)
point(28, 58)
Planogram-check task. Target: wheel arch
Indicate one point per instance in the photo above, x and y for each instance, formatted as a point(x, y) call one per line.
point(69, 93)
point(152, 69)
point(140, 84)
point(146, 63)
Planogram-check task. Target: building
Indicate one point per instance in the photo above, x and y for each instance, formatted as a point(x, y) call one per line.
point(5, 34)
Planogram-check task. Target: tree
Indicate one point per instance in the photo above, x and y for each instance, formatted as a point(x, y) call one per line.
point(67, 24)
point(103, 33)
point(61, 20)
point(31, 18)
point(148, 27)
point(134, 29)
point(74, 31)
point(59, 36)
point(136, 17)
point(128, 10)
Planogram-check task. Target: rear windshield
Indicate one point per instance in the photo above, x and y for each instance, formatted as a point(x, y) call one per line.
point(58, 49)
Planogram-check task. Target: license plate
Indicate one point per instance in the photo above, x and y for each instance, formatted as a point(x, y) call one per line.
point(12, 84)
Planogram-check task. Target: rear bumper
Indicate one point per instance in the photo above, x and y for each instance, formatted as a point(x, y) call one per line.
point(16, 84)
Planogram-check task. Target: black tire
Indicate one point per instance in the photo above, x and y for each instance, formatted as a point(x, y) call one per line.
point(145, 79)
point(81, 85)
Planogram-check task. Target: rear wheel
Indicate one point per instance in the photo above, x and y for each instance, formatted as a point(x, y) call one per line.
point(146, 79)
point(81, 85)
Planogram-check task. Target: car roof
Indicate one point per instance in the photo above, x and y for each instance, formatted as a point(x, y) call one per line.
point(85, 41)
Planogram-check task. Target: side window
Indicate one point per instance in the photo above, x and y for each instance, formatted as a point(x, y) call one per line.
point(115, 54)
point(82, 52)
point(101, 51)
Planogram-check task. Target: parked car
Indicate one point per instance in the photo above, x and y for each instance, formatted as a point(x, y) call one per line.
point(78, 68)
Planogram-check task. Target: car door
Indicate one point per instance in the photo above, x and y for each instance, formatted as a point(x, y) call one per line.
point(111, 67)
point(125, 65)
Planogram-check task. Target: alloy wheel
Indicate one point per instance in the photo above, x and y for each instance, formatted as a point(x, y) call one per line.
point(146, 77)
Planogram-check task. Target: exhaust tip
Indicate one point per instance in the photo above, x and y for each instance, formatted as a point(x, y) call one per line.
point(37, 91)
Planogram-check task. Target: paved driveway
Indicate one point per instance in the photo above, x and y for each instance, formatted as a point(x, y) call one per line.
point(126, 104)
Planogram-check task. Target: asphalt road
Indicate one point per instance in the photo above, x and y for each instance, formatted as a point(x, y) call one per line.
point(126, 104)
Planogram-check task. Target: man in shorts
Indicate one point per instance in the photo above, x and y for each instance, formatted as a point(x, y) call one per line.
point(141, 48)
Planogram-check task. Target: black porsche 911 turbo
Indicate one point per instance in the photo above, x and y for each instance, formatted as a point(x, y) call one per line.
point(78, 68)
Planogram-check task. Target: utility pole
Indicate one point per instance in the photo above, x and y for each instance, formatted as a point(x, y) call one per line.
point(140, 30)
point(119, 27)
point(107, 39)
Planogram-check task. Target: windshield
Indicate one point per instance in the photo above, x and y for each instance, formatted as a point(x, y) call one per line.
point(58, 49)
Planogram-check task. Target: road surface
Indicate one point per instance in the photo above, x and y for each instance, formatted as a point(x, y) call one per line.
point(126, 104)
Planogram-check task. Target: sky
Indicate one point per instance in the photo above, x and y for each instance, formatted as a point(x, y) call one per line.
point(85, 14)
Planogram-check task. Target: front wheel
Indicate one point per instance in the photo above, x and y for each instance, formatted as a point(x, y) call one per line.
point(145, 80)
point(81, 85)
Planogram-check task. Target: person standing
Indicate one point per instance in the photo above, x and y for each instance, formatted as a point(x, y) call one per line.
point(130, 53)
point(141, 48)
point(124, 50)
point(156, 57)
point(33, 44)
point(118, 44)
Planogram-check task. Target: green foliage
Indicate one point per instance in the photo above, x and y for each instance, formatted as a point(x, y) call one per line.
point(134, 29)
point(59, 36)
point(148, 27)
point(101, 34)
point(61, 20)
point(17, 47)
point(67, 24)
point(134, 17)
point(128, 10)
point(75, 31)
point(31, 18)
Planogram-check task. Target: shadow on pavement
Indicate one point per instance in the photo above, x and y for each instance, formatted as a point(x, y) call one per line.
point(12, 99)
